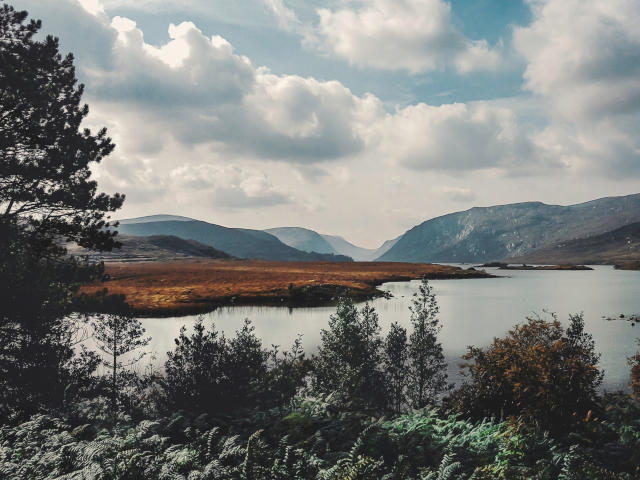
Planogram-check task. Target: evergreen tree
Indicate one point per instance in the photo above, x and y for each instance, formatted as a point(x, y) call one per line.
point(118, 335)
point(195, 369)
point(208, 373)
point(46, 196)
point(287, 373)
point(349, 357)
point(45, 157)
point(427, 377)
point(580, 350)
point(246, 367)
point(395, 366)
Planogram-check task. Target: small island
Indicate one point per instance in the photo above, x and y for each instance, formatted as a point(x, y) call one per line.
point(199, 285)
point(507, 266)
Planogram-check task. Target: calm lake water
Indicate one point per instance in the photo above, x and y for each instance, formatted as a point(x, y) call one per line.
point(472, 312)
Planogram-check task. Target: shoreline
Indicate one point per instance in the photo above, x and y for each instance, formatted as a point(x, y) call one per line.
point(189, 287)
point(524, 266)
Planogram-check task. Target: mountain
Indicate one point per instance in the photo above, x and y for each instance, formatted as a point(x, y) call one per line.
point(155, 218)
point(385, 247)
point(617, 246)
point(504, 231)
point(344, 247)
point(311, 241)
point(157, 247)
point(239, 242)
point(303, 239)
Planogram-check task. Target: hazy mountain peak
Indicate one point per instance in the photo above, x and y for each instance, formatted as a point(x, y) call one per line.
point(156, 218)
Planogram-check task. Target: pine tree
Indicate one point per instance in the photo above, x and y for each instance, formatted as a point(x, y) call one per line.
point(395, 366)
point(46, 196)
point(246, 367)
point(349, 357)
point(427, 377)
point(117, 335)
point(195, 369)
point(45, 155)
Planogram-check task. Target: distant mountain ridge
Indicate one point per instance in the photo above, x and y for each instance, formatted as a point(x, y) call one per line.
point(505, 231)
point(312, 241)
point(533, 232)
point(238, 242)
point(156, 218)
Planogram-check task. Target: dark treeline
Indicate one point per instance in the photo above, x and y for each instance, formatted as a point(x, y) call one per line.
point(365, 406)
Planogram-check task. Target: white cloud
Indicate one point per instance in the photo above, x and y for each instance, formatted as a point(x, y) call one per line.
point(92, 6)
point(198, 90)
point(583, 59)
point(287, 18)
point(455, 137)
point(228, 186)
point(458, 194)
point(202, 131)
point(412, 35)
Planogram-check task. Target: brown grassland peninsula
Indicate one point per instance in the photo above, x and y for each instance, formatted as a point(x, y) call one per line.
point(199, 285)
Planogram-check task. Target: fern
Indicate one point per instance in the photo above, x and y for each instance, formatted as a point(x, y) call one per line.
point(447, 469)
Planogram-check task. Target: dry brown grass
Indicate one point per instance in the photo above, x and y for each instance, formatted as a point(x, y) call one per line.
point(190, 285)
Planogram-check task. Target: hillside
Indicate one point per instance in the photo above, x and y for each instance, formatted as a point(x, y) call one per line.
point(615, 247)
point(238, 242)
point(303, 239)
point(157, 247)
point(507, 231)
point(311, 241)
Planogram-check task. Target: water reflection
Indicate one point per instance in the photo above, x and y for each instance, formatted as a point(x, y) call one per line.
point(472, 311)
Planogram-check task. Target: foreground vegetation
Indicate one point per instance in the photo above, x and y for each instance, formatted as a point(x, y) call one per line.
point(366, 406)
point(312, 441)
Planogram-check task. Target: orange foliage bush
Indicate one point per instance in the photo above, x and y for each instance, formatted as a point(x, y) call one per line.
point(539, 371)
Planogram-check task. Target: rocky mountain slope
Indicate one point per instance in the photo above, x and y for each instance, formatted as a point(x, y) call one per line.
point(615, 247)
point(506, 231)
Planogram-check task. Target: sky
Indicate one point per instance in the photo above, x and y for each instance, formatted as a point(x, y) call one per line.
point(351, 117)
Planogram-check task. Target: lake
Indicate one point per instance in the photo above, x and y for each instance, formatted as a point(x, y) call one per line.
point(472, 312)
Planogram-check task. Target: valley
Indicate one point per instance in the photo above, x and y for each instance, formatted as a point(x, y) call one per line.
point(601, 231)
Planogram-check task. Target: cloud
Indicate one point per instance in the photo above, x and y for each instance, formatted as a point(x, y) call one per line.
point(228, 186)
point(412, 35)
point(458, 194)
point(204, 131)
point(456, 137)
point(287, 18)
point(139, 178)
point(196, 89)
point(583, 59)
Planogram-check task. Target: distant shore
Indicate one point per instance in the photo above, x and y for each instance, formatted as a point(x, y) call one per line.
point(194, 285)
point(628, 266)
point(509, 266)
